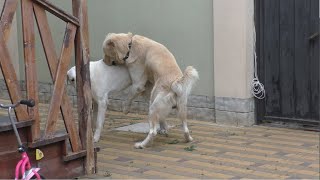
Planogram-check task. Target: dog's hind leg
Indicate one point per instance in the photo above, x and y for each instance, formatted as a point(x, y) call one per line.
point(102, 107)
point(182, 114)
point(159, 109)
point(163, 126)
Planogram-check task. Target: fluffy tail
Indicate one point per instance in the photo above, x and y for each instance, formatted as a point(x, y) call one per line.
point(183, 86)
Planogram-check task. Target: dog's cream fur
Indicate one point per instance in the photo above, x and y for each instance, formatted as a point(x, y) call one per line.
point(104, 79)
point(151, 61)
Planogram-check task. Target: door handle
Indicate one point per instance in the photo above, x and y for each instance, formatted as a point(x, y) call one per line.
point(313, 36)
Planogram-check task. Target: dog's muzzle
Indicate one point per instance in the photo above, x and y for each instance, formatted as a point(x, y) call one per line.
point(113, 63)
point(71, 81)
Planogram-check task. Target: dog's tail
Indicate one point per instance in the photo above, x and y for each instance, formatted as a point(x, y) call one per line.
point(183, 86)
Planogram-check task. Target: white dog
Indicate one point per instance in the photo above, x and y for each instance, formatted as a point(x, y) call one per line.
point(148, 60)
point(104, 79)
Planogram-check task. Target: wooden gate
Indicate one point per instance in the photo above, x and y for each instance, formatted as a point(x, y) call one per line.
point(75, 40)
point(288, 59)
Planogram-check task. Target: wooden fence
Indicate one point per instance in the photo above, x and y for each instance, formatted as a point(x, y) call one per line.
point(75, 41)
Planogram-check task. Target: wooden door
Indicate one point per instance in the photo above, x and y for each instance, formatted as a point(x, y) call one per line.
point(288, 60)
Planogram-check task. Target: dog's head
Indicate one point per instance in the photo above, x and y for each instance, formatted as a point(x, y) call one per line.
point(72, 75)
point(115, 48)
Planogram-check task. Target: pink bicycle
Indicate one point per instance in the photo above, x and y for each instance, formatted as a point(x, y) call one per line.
point(23, 168)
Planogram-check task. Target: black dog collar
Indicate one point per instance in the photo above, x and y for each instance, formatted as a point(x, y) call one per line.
point(128, 53)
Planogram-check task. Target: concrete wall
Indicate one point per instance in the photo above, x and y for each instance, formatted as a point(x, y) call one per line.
point(184, 26)
point(233, 61)
point(233, 47)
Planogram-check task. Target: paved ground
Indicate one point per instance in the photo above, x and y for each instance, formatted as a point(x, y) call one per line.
point(218, 152)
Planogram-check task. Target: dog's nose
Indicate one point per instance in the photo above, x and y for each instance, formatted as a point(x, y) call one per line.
point(71, 79)
point(113, 63)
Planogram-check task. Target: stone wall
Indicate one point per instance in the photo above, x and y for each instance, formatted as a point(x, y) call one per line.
point(199, 107)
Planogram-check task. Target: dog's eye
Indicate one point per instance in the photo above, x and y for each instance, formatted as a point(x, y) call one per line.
point(113, 63)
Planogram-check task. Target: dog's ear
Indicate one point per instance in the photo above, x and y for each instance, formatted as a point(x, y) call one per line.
point(110, 43)
point(108, 47)
point(107, 60)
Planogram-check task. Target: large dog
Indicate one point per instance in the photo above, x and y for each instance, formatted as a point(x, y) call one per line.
point(102, 83)
point(148, 60)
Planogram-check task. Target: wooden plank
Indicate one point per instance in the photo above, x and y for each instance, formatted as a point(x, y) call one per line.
point(7, 126)
point(11, 80)
point(314, 61)
point(58, 137)
point(271, 57)
point(30, 64)
point(83, 83)
point(52, 59)
point(64, 61)
point(75, 155)
point(7, 16)
point(302, 60)
point(259, 25)
point(57, 12)
point(287, 58)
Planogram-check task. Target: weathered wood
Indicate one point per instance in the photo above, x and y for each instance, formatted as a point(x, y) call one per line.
point(83, 83)
point(52, 60)
point(314, 61)
point(52, 165)
point(271, 57)
point(74, 155)
point(30, 64)
point(259, 25)
point(57, 12)
point(286, 63)
point(5, 124)
point(58, 137)
point(7, 16)
point(11, 80)
point(65, 58)
point(8, 140)
point(302, 60)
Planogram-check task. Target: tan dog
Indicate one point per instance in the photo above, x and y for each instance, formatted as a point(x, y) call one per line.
point(148, 60)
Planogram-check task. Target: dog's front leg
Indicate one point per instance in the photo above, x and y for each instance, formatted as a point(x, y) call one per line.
point(102, 107)
point(94, 115)
point(133, 93)
point(139, 80)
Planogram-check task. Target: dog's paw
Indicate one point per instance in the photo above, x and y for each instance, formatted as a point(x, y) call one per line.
point(163, 132)
point(138, 145)
point(125, 108)
point(96, 138)
point(188, 138)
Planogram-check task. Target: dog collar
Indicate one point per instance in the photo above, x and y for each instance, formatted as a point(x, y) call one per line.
point(128, 53)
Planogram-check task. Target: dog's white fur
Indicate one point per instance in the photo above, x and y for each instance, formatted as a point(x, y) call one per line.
point(104, 79)
point(151, 61)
